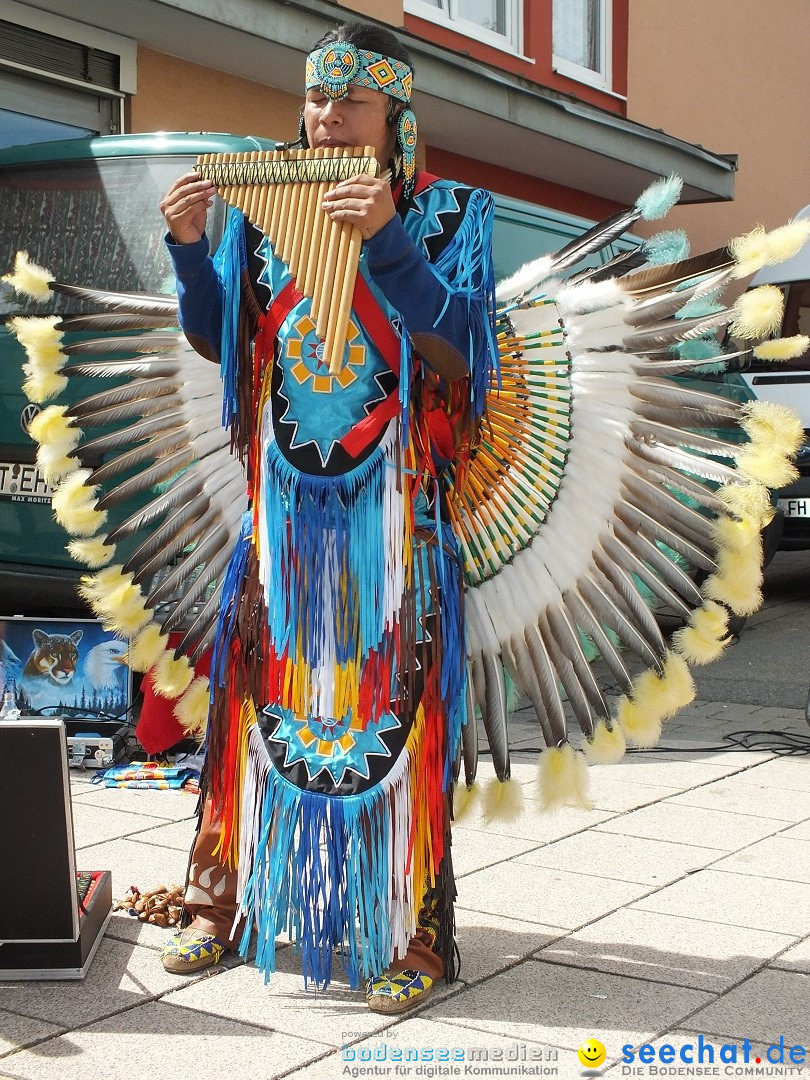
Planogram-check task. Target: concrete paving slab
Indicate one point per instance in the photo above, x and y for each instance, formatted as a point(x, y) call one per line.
point(563, 1006)
point(95, 824)
point(171, 805)
point(659, 769)
point(333, 1017)
point(177, 834)
point(775, 857)
point(17, 1032)
point(739, 794)
point(649, 862)
point(782, 772)
point(769, 1004)
point(798, 832)
point(736, 900)
point(120, 977)
point(621, 795)
point(695, 825)
point(473, 850)
point(551, 897)
point(534, 824)
point(668, 948)
point(795, 959)
point(158, 1038)
point(490, 943)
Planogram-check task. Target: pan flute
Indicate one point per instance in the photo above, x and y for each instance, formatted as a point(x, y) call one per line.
point(281, 192)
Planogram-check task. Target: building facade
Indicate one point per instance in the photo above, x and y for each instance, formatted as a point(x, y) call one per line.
point(526, 97)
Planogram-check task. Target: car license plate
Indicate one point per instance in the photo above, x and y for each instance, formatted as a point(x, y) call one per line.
point(20, 482)
point(796, 508)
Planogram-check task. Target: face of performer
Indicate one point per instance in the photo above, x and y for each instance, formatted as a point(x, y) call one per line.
point(359, 119)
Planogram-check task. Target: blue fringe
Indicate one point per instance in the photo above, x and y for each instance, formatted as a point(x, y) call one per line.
point(229, 261)
point(466, 263)
point(324, 877)
point(298, 508)
point(229, 604)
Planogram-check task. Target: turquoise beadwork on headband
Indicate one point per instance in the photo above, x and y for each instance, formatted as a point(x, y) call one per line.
point(337, 65)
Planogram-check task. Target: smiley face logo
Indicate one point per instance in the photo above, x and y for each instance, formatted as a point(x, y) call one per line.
point(592, 1054)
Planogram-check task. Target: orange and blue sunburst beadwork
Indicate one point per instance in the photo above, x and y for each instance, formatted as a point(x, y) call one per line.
point(306, 352)
point(334, 67)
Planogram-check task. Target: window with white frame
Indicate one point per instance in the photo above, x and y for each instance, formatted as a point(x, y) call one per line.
point(581, 40)
point(494, 22)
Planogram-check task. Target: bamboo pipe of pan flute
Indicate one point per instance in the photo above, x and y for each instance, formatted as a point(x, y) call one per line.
point(324, 242)
point(265, 194)
point(353, 239)
point(307, 228)
point(297, 192)
point(319, 220)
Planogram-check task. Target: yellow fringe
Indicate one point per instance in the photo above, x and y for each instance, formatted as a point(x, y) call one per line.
point(247, 719)
point(758, 248)
point(743, 596)
point(758, 313)
point(606, 746)
point(28, 278)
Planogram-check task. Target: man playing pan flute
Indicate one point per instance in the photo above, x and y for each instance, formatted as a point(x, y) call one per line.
point(339, 673)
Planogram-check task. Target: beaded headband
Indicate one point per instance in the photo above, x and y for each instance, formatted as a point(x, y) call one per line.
point(333, 67)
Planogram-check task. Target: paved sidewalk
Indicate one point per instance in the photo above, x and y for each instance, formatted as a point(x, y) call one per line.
point(678, 909)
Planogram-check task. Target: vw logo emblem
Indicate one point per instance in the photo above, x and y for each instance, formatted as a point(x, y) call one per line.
point(27, 415)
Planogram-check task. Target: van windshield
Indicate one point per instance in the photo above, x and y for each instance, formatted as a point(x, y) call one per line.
point(94, 223)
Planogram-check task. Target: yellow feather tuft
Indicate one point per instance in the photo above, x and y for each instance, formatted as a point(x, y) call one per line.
point(94, 552)
point(465, 799)
point(704, 639)
point(172, 677)
point(786, 348)
point(639, 727)
point(117, 600)
point(766, 465)
point(742, 594)
point(750, 252)
point(53, 429)
point(606, 746)
point(562, 778)
point(39, 330)
point(192, 708)
point(747, 501)
point(729, 532)
point(28, 278)
point(503, 800)
point(42, 385)
point(74, 505)
point(147, 648)
point(788, 240)
point(54, 465)
point(770, 423)
point(758, 313)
